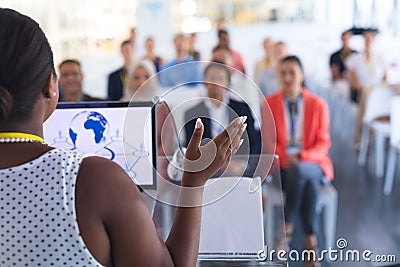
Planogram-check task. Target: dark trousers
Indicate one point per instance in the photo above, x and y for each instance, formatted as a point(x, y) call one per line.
point(354, 95)
point(302, 183)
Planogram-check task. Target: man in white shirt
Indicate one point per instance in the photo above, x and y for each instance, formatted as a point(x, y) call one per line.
point(366, 70)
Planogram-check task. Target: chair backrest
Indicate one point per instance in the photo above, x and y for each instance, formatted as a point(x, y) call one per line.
point(377, 104)
point(395, 121)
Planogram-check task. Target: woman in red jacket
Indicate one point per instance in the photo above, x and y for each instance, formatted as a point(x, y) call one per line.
point(302, 144)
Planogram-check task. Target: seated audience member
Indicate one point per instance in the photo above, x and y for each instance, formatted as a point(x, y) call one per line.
point(338, 58)
point(180, 73)
point(140, 88)
point(268, 79)
point(219, 108)
point(302, 144)
point(224, 40)
point(65, 210)
point(71, 79)
point(192, 38)
point(222, 53)
point(366, 70)
point(337, 61)
point(150, 54)
point(117, 79)
point(242, 88)
point(268, 60)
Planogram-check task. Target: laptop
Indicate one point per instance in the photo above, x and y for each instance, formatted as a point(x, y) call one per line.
point(124, 132)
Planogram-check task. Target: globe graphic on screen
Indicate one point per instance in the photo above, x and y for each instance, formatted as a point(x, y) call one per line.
point(89, 131)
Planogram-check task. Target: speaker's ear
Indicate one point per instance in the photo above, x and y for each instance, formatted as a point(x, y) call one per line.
point(48, 90)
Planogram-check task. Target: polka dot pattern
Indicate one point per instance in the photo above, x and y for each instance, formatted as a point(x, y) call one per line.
point(38, 224)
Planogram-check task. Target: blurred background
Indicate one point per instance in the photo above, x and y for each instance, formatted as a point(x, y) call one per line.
point(92, 30)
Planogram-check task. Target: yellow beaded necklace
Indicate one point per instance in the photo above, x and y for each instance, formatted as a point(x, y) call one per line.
point(15, 137)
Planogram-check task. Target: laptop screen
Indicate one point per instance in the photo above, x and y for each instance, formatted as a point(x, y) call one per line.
point(103, 129)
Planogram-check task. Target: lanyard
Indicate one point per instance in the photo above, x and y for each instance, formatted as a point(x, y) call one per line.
point(293, 113)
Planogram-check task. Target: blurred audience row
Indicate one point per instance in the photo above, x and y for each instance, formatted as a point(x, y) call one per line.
point(353, 73)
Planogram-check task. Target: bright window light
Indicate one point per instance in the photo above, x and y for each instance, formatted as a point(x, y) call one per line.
point(188, 7)
point(192, 24)
point(204, 24)
point(189, 25)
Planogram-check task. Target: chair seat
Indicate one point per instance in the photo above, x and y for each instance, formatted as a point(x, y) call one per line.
point(328, 200)
point(381, 126)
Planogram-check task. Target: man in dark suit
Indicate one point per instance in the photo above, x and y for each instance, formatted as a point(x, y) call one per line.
point(116, 80)
point(219, 109)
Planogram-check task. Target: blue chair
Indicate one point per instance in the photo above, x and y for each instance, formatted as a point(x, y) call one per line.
point(327, 205)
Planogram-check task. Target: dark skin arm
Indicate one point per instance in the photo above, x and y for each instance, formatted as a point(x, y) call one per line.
point(335, 72)
point(116, 224)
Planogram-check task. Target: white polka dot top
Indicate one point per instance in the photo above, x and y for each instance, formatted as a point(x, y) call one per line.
point(38, 224)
